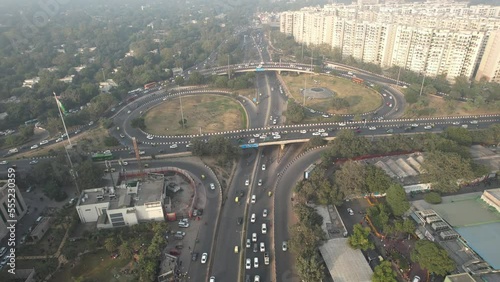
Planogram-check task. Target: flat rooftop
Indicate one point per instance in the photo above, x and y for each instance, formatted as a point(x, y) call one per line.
point(344, 263)
point(131, 193)
point(494, 192)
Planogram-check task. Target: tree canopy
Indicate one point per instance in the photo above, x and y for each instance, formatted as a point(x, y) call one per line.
point(384, 273)
point(432, 257)
point(396, 199)
point(359, 238)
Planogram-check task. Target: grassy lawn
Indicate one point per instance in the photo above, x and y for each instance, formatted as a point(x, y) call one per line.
point(210, 112)
point(362, 99)
point(437, 107)
point(97, 266)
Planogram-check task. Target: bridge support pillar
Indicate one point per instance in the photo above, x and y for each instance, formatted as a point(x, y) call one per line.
point(281, 152)
point(279, 72)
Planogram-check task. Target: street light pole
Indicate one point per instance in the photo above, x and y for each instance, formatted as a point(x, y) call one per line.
point(399, 72)
point(182, 113)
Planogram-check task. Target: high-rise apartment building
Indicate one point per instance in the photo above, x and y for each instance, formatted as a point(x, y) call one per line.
point(435, 38)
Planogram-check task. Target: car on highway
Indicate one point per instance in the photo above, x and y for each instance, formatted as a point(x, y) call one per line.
point(316, 133)
point(121, 135)
point(262, 247)
point(256, 262)
point(256, 278)
point(173, 146)
point(248, 264)
point(257, 135)
point(59, 139)
point(325, 116)
point(303, 131)
point(390, 97)
point(260, 182)
point(416, 279)
point(255, 248)
point(414, 125)
point(390, 105)
point(251, 141)
point(390, 130)
point(150, 137)
point(34, 147)
point(252, 218)
point(456, 123)
point(212, 186)
point(473, 122)
point(324, 134)
point(254, 199)
point(47, 141)
point(264, 228)
point(428, 127)
point(212, 279)
point(284, 246)
point(321, 130)
point(128, 112)
point(383, 94)
point(254, 237)
point(247, 182)
point(248, 243)
point(277, 137)
point(33, 162)
point(264, 167)
point(263, 136)
point(3, 162)
point(204, 258)
point(140, 152)
point(264, 213)
point(342, 124)
point(266, 258)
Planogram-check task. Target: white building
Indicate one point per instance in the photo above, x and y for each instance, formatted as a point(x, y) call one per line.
point(31, 82)
point(125, 205)
point(105, 86)
point(20, 207)
point(435, 38)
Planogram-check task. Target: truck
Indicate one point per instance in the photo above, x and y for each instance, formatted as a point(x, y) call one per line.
point(266, 258)
point(357, 80)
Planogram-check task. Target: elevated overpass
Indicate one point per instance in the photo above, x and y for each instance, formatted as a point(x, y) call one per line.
point(253, 67)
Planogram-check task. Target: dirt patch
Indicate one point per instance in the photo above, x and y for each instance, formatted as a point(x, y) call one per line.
point(361, 98)
point(208, 113)
point(437, 107)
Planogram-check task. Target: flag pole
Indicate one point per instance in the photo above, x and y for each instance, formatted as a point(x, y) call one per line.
point(62, 118)
point(72, 170)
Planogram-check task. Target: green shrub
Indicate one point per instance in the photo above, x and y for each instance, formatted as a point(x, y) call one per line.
point(433, 198)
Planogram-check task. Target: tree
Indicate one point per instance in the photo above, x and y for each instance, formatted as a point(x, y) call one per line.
point(350, 179)
point(432, 257)
point(307, 215)
point(182, 122)
point(377, 181)
point(125, 250)
point(295, 112)
point(384, 273)
point(315, 141)
point(359, 238)
point(396, 199)
point(433, 198)
point(111, 243)
point(310, 269)
point(444, 170)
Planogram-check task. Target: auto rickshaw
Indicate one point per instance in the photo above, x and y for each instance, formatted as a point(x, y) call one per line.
point(270, 193)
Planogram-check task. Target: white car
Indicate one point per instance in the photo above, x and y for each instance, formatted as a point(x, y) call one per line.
point(247, 182)
point(350, 211)
point(212, 279)
point(33, 162)
point(456, 123)
point(264, 167)
point(252, 218)
point(303, 131)
point(342, 124)
point(383, 94)
point(390, 97)
point(414, 125)
point(325, 116)
point(264, 228)
point(260, 182)
point(248, 264)
point(284, 246)
point(150, 137)
point(256, 278)
point(321, 130)
point(34, 146)
point(173, 146)
point(372, 128)
point(324, 134)
point(59, 139)
point(204, 257)
point(3, 162)
point(212, 186)
point(428, 127)
point(248, 243)
point(263, 136)
point(316, 133)
point(390, 105)
point(262, 247)
point(256, 262)
point(124, 163)
point(257, 135)
point(277, 137)
point(254, 198)
point(264, 213)
point(47, 141)
point(251, 141)
point(473, 122)
point(254, 237)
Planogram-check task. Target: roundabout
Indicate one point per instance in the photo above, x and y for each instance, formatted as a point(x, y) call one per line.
point(318, 93)
point(202, 113)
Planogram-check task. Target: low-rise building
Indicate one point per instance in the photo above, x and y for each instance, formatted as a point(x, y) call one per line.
point(31, 82)
point(123, 205)
point(105, 86)
point(492, 198)
point(177, 71)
